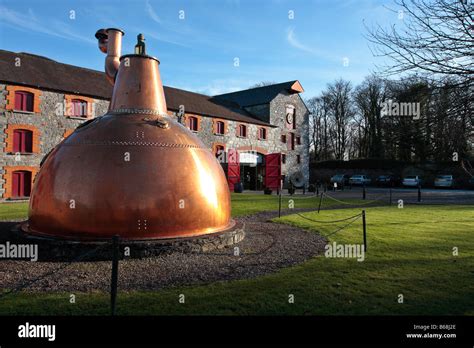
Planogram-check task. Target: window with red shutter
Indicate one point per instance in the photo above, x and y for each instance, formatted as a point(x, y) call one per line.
point(262, 133)
point(79, 108)
point(193, 123)
point(22, 141)
point(220, 127)
point(24, 101)
point(242, 131)
point(21, 184)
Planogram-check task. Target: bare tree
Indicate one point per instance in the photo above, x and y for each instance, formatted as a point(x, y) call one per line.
point(319, 128)
point(437, 38)
point(338, 97)
point(368, 98)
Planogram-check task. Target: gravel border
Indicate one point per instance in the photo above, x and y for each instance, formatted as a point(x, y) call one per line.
point(267, 247)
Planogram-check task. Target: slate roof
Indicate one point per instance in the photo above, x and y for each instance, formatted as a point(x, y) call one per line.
point(260, 95)
point(41, 72)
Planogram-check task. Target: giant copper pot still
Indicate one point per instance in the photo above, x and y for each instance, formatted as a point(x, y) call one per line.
point(134, 172)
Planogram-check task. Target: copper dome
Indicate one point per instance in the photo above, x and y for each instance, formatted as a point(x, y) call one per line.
point(134, 172)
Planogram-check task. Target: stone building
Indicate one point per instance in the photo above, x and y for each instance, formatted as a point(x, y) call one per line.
point(43, 101)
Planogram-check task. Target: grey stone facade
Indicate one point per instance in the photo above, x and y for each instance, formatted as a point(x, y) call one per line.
point(52, 128)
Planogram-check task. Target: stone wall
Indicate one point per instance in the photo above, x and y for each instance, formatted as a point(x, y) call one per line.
point(278, 118)
point(52, 127)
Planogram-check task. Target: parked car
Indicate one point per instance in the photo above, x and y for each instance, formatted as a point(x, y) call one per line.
point(340, 179)
point(412, 181)
point(444, 181)
point(388, 180)
point(360, 180)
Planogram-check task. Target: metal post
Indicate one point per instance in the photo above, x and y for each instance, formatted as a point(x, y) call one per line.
point(317, 190)
point(364, 230)
point(320, 201)
point(279, 200)
point(363, 191)
point(113, 284)
point(419, 192)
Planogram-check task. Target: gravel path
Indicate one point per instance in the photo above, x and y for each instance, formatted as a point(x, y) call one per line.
point(266, 248)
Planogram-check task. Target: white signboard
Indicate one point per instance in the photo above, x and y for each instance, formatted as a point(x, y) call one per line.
point(251, 158)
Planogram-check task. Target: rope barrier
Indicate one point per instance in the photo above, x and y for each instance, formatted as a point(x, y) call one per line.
point(328, 222)
point(365, 203)
point(343, 227)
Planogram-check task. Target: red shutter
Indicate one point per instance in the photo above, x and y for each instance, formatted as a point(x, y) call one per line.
point(17, 141)
point(28, 136)
point(28, 101)
point(26, 184)
point(233, 168)
point(18, 101)
point(16, 184)
point(272, 170)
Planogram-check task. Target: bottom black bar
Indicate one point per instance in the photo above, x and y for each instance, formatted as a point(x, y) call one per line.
point(393, 330)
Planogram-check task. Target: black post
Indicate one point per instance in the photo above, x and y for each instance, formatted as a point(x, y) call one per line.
point(320, 201)
point(279, 201)
point(390, 195)
point(364, 230)
point(363, 191)
point(419, 192)
point(113, 284)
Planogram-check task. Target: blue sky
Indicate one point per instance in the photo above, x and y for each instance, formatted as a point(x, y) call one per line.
point(198, 52)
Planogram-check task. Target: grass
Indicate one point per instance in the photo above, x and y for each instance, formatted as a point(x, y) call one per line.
point(247, 204)
point(410, 252)
point(13, 211)
point(242, 204)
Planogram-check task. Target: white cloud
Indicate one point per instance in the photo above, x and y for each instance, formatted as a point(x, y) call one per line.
point(152, 13)
point(293, 41)
point(29, 22)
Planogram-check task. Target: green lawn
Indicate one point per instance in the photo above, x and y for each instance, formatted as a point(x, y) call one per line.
point(13, 211)
point(246, 204)
point(242, 204)
point(410, 252)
